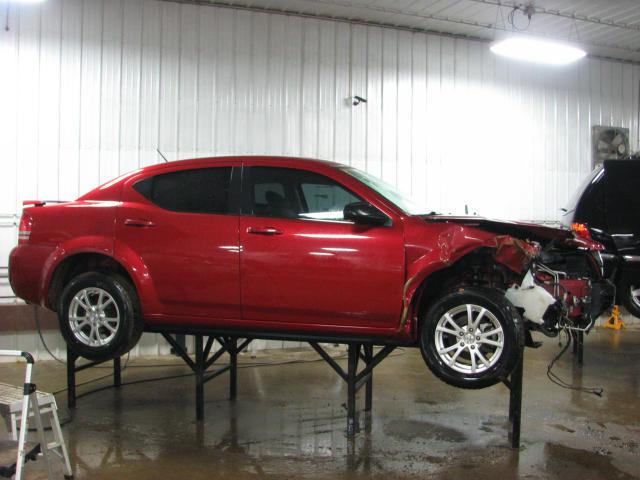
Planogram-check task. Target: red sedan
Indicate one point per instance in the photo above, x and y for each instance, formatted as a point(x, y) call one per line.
point(259, 245)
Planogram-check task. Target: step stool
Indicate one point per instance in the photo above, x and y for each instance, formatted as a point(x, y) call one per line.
point(9, 456)
point(22, 404)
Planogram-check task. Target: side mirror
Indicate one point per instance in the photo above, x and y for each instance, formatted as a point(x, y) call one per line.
point(363, 213)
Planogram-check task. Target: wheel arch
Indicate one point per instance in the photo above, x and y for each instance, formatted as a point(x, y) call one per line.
point(81, 262)
point(437, 277)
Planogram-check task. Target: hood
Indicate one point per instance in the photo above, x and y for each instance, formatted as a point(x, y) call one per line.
point(525, 231)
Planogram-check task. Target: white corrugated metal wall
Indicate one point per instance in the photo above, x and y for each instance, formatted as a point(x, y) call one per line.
point(90, 88)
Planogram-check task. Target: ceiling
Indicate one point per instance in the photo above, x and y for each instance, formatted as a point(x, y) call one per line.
point(604, 28)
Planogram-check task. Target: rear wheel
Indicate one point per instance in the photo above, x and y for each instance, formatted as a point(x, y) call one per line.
point(472, 338)
point(629, 294)
point(100, 316)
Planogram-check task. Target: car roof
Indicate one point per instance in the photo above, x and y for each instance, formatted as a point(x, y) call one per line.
point(195, 162)
point(105, 190)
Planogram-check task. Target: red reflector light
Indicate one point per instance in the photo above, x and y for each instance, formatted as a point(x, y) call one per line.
point(24, 231)
point(581, 230)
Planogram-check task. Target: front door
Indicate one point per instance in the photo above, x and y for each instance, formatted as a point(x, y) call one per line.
point(303, 264)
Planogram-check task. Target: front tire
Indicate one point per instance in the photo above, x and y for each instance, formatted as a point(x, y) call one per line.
point(100, 316)
point(472, 338)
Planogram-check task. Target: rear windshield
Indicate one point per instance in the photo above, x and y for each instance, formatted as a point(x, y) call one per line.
point(593, 177)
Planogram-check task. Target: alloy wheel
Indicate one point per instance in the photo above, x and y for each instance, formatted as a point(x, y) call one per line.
point(94, 317)
point(469, 338)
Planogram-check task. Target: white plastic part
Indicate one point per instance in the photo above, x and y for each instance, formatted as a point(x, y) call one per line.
point(534, 299)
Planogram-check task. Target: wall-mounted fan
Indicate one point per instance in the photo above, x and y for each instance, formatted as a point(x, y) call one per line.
point(608, 143)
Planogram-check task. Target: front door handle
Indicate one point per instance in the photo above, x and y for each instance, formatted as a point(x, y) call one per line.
point(264, 231)
point(135, 222)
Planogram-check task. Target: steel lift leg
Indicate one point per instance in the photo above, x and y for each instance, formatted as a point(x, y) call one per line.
point(205, 359)
point(356, 380)
point(514, 383)
point(72, 369)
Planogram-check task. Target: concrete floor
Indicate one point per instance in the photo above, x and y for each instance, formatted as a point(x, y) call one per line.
point(289, 421)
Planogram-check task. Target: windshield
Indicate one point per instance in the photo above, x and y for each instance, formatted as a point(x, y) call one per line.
point(387, 191)
point(593, 177)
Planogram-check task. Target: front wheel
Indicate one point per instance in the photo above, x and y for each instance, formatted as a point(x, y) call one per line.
point(472, 338)
point(100, 316)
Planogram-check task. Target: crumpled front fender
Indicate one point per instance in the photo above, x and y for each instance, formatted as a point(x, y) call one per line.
point(453, 242)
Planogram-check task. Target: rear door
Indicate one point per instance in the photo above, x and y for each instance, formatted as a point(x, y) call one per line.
point(303, 264)
point(184, 226)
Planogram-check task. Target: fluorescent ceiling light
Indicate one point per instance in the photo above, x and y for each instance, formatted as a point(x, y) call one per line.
point(539, 51)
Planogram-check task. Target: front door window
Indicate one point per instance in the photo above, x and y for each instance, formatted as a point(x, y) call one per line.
point(295, 194)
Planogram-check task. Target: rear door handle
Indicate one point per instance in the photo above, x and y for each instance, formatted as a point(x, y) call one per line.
point(133, 222)
point(264, 231)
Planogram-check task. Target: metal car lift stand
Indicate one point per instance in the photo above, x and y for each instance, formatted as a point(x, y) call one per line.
point(355, 380)
point(204, 360)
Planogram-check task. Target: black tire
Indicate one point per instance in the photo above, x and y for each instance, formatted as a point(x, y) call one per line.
point(460, 371)
point(90, 338)
point(625, 296)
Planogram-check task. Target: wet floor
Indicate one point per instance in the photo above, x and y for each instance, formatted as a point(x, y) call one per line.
point(289, 421)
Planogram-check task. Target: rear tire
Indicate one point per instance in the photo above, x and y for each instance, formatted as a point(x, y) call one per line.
point(472, 338)
point(100, 316)
point(629, 295)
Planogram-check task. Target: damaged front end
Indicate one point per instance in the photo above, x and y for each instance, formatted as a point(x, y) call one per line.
point(563, 290)
point(560, 283)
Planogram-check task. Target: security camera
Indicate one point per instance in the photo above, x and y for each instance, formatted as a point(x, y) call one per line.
point(356, 100)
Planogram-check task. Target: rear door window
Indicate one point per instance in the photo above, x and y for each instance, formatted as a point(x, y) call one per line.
point(201, 190)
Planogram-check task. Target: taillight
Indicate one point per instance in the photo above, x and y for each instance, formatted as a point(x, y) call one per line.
point(581, 230)
point(24, 231)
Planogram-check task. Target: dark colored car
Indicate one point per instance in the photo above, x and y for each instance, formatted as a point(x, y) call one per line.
point(304, 248)
point(606, 208)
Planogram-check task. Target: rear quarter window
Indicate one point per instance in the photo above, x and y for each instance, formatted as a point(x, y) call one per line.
point(202, 190)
